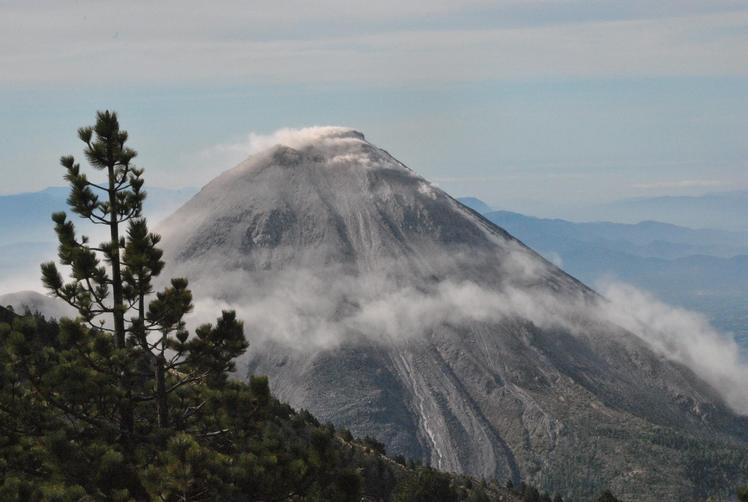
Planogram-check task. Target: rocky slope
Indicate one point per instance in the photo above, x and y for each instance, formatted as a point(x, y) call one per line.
point(378, 302)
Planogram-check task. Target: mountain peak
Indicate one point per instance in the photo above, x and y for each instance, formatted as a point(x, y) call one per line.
point(377, 301)
point(321, 150)
point(302, 138)
point(325, 189)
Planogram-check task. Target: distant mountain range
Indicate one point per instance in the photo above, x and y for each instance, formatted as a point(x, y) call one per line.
point(649, 239)
point(725, 210)
point(25, 217)
point(27, 235)
point(704, 270)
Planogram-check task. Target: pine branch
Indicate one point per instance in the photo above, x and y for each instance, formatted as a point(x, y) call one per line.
point(97, 220)
point(215, 433)
point(99, 301)
point(89, 183)
point(191, 410)
point(69, 410)
point(186, 381)
point(64, 298)
point(99, 327)
point(91, 363)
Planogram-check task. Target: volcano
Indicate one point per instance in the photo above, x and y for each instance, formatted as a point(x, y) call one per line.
point(381, 304)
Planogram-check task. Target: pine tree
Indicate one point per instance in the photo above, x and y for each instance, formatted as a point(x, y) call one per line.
point(125, 365)
point(111, 284)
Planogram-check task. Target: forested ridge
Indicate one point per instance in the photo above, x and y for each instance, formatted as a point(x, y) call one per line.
point(57, 441)
point(242, 444)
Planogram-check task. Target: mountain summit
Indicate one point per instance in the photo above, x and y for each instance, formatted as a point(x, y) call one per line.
point(378, 302)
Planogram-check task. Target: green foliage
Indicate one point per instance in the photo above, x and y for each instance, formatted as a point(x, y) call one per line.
point(478, 494)
point(213, 350)
point(530, 494)
point(400, 459)
point(607, 496)
point(742, 493)
point(346, 435)
point(426, 486)
point(60, 437)
point(374, 445)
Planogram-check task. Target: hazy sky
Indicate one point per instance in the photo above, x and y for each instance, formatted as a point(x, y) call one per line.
point(529, 104)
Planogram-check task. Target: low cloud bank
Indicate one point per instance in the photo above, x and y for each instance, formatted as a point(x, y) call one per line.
point(308, 311)
point(682, 336)
point(319, 309)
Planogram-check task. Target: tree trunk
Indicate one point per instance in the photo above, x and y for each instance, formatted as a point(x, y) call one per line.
point(127, 424)
point(161, 397)
point(119, 310)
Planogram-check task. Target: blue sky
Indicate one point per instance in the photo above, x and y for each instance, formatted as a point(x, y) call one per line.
point(533, 105)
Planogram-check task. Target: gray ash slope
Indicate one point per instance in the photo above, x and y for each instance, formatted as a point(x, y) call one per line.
point(380, 303)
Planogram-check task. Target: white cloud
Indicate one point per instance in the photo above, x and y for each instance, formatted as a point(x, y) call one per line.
point(297, 42)
point(682, 336)
point(319, 308)
point(230, 154)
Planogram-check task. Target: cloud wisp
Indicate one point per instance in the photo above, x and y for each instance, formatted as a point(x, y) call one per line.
point(231, 154)
point(682, 336)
